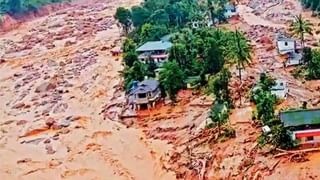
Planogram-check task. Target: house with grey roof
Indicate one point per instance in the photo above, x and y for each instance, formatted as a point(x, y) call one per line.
point(304, 125)
point(288, 46)
point(144, 94)
point(158, 51)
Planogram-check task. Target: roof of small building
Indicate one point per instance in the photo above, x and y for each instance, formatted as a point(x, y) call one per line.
point(280, 85)
point(282, 37)
point(155, 45)
point(229, 7)
point(145, 86)
point(300, 117)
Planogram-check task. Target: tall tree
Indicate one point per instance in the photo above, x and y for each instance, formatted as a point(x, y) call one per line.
point(178, 52)
point(314, 65)
point(130, 57)
point(219, 86)
point(239, 51)
point(150, 32)
point(135, 73)
point(123, 15)
point(128, 45)
point(219, 115)
point(300, 27)
point(172, 79)
point(139, 15)
point(214, 59)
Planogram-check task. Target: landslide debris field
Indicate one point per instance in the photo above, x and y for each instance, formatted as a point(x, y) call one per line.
point(60, 97)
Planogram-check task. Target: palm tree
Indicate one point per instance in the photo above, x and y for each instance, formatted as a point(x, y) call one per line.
point(299, 27)
point(239, 51)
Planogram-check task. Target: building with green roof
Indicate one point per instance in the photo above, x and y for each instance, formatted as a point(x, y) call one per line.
point(304, 124)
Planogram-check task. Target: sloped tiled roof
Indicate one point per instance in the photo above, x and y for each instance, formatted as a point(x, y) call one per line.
point(154, 46)
point(146, 86)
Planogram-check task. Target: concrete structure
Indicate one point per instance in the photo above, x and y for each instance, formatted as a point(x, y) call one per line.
point(144, 94)
point(285, 45)
point(288, 46)
point(230, 10)
point(304, 125)
point(155, 50)
point(280, 89)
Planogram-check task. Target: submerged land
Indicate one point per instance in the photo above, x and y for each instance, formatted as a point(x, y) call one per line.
point(61, 96)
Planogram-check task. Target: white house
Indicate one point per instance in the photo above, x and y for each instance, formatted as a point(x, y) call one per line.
point(280, 89)
point(288, 46)
point(229, 11)
point(285, 45)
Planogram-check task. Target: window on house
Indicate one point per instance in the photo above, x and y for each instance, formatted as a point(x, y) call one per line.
point(310, 138)
point(286, 43)
point(142, 95)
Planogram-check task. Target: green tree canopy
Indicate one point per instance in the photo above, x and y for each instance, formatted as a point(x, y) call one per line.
point(123, 15)
point(135, 73)
point(139, 15)
point(172, 79)
point(219, 115)
point(300, 27)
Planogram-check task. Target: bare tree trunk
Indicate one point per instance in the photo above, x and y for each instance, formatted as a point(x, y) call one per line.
point(240, 88)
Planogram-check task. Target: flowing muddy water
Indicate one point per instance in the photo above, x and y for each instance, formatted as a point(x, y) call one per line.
point(57, 74)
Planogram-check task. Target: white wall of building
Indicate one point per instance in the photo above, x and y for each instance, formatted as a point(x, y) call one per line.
point(285, 46)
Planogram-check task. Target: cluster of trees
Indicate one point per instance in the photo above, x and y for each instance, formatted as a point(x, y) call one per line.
point(312, 58)
point(314, 5)
point(300, 27)
point(265, 102)
point(19, 6)
point(198, 51)
point(154, 18)
point(219, 86)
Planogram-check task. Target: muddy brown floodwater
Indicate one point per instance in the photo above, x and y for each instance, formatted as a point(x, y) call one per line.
point(56, 76)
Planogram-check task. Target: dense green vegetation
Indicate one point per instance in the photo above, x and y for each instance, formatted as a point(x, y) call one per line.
point(300, 27)
point(20, 6)
point(202, 51)
point(314, 5)
point(265, 102)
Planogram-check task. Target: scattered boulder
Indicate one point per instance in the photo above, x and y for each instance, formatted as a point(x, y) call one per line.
point(69, 43)
point(50, 122)
point(26, 160)
point(56, 136)
point(64, 123)
point(44, 87)
point(2, 61)
point(47, 141)
point(49, 149)
point(65, 131)
point(18, 106)
point(54, 163)
point(22, 122)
